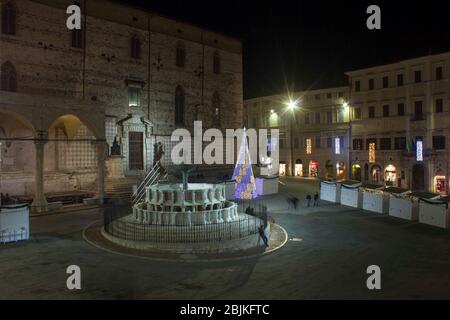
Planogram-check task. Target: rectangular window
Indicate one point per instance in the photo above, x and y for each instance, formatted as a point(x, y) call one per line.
point(329, 117)
point(439, 105)
point(358, 144)
point(438, 142)
point(400, 80)
point(385, 143)
point(400, 143)
point(341, 140)
point(308, 146)
point(340, 94)
point(385, 82)
point(318, 138)
point(317, 96)
point(417, 76)
point(369, 141)
point(328, 95)
point(307, 118)
point(386, 110)
point(281, 143)
point(371, 84)
point(357, 86)
point(318, 117)
point(329, 143)
point(340, 115)
point(296, 143)
point(418, 110)
point(401, 109)
point(372, 112)
point(357, 113)
point(134, 96)
point(439, 73)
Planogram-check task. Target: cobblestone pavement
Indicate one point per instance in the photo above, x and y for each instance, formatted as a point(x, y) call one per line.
point(326, 257)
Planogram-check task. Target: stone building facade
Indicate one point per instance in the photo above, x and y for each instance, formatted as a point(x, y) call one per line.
point(403, 109)
point(122, 83)
point(394, 127)
point(313, 136)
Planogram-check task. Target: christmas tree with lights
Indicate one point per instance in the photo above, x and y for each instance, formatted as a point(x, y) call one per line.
point(243, 172)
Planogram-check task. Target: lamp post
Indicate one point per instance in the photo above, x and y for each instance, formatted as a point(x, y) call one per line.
point(346, 107)
point(291, 106)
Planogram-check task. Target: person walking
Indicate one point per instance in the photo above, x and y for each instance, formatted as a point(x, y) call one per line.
point(316, 199)
point(308, 200)
point(263, 235)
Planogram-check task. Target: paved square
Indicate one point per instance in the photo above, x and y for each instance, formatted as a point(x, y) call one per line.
point(329, 249)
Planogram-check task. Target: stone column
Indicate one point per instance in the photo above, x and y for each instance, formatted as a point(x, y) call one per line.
point(101, 156)
point(39, 202)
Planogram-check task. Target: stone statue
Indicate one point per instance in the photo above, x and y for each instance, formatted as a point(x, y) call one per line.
point(185, 170)
point(115, 149)
point(158, 152)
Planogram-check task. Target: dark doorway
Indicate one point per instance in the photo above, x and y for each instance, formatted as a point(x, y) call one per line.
point(135, 145)
point(418, 177)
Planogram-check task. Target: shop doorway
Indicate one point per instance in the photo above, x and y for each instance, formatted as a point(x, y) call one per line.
point(376, 174)
point(313, 168)
point(418, 177)
point(356, 172)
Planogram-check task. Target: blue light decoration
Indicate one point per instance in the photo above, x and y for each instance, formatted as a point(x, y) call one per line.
point(243, 172)
point(419, 150)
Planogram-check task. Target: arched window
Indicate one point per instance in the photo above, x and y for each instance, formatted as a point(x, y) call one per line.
point(216, 109)
point(135, 47)
point(8, 19)
point(8, 77)
point(179, 106)
point(216, 63)
point(180, 55)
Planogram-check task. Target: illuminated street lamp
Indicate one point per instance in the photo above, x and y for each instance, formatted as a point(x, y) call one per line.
point(291, 106)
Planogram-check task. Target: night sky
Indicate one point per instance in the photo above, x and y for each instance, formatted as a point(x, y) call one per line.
point(300, 45)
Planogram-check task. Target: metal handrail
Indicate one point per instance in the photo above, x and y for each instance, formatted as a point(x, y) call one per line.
point(141, 193)
point(150, 172)
point(145, 182)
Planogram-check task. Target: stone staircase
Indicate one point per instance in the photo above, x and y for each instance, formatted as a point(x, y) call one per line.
point(120, 190)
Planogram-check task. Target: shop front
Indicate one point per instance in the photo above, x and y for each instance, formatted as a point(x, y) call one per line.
point(376, 174)
point(313, 168)
point(340, 170)
point(298, 168)
point(356, 172)
point(440, 184)
point(390, 175)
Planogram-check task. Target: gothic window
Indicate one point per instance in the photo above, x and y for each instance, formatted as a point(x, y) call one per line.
point(135, 47)
point(180, 55)
point(216, 63)
point(8, 77)
point(179, 106)
point(8, 19)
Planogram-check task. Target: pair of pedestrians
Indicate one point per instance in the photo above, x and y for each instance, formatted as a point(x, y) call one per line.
point(316, 200)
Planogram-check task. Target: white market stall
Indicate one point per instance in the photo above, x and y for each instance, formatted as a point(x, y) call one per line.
point(330, 191)
point(435, 212)
point(14, 223)
point(266, 185)
point(374, 199)
point(407, 206)
point(350, 194)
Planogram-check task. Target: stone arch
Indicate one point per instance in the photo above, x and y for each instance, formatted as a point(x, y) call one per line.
point(17, 118)
point(74, 119)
